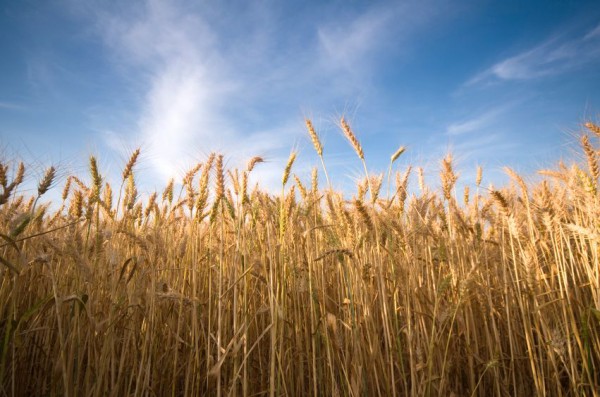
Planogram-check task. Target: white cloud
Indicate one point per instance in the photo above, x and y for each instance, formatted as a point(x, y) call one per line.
point(11, 106)
point(592, 34)
point(174, 60)
point(554, 56)
point(210, 80)
point(471, 125)
point(349, 42)
point(345, 45)
point(478, 123)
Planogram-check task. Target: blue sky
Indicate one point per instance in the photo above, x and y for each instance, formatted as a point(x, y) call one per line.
point(497, 83)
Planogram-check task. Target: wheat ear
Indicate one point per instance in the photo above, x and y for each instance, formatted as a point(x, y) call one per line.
point(594, 128)
point(318, 147)
point(129, 166)
point(591, 157)
point(46, 181)
point(288, 167)
point(253, 161)
point(393, 158)
point(352, 139)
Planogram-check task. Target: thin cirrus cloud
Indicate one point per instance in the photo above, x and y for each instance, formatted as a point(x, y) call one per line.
point(475, 124)
point(344, 46)
point(485, 119)
point(355, 43)
point(554, 56)
point(11, 106)
point(193, 72)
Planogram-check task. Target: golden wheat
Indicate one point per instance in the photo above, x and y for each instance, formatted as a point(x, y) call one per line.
point(325, 295)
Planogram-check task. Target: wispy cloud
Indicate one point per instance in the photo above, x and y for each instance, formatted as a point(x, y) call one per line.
point(593, 34)
point(190, 77)
point(11, 106)
point(474, 124)
point(208, 81)
point(346, 43)
point(482, 122)
point(554, 56)
point(349, 42)
point(178, 66)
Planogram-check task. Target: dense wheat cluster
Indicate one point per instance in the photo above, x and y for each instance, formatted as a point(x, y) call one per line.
point(213, 287)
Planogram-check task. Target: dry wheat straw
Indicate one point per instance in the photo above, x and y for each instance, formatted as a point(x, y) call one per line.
point(426, 298)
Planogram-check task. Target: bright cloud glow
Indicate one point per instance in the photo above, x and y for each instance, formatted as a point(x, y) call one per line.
point(175, 54)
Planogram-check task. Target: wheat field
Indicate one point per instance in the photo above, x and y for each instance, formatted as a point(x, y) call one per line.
point(213, 287)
